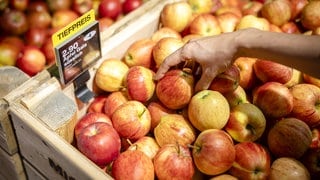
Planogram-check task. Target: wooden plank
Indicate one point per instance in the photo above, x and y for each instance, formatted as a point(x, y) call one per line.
point(11, 166)
point(31, 172)
point(49, 153)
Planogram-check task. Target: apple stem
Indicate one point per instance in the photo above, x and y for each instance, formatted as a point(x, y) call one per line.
point(194, 147)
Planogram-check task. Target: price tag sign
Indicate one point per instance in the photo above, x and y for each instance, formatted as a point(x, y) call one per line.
point(77, 47)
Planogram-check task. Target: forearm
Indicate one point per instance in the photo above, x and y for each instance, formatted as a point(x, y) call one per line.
point(295, 50)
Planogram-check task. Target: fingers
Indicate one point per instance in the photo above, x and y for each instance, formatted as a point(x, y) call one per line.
point(172, 60)
point(205, 81)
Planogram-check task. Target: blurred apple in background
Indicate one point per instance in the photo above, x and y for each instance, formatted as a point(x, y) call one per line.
point(110, 8)
point(130, 5)
point(174, 160)
point(133, 165)
point(105, 23)
point(174, 128)
point(31, 60)
point(99, 142)
point(248, 77)
point(205, 25)
point(132, 120)
point(36, 36)
point(253, 161)
point(113, 101)
point(48, 51)
point(227, 81)
point(55, 5)
point(82, 6)
point(175, 89)
point(20, 5)
point(213, 151)
point(306, 98)
point(157, 110)
point(139, 83)
point(39, 19)
point(8, 54)
point(289, 137)
point(276, 94)
point(13, 22)
point(63, 17)
point(37, 6)
point(208, 110)
point(246, 123)
point(147, 145)
point(288, 168)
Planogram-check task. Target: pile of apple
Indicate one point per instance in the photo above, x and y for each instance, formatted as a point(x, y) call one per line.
point(257, 120)
point(27, 26)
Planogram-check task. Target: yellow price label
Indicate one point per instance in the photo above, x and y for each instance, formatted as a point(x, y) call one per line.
point(72, 28)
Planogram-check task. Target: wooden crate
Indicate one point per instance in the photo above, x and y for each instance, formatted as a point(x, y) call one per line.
point(11, 166)
point(46, 151)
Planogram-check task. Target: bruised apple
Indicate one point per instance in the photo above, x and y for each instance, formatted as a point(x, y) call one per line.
point(174, 160)
point(175, 89)
point(174, 128)
point(208, 109)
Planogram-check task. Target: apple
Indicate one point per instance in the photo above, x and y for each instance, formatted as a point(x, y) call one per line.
point(133, 165)
point(100, 142)
point(147, 145)
point(224, 9)
point(228, 21)
point(82, 6)
point(274, 99)
point(246, 123)
point(315, 144)
point(39, 19)
point(205, 25)
point(251, 7)
point(8, 54)
point(48, 51)
point(31, 60)
point(113, 101)
point(163, 32)
point(4, 4)
point(248, 78)
point(110, 75)
point(37, 6)
point(227, 81)
point(238, 96)
point(189, 37)
point(296, 78)
point(110, 8)
point(201, 6)
point(132, 120)
point(174, 128)
point(16, 41)
point(288, 168)
point(277, 12)
point(176, 15)
point(130, 5)
point(35, 36)
point(310, 15)
point(267, 70)
point(289, 137)
point(63, 17)
point(310, 160)
point(223, 176)
point(310, 79)
point(97, 105)
point(213, 152)
point(174, 160)
point(105, 23)
point(157, 110)
point(306, 98)
point(56, 5)
point(297, 7)
point(164, 47)
point(290, 27)
point(139, 53)
point(175, 89)
point(252, 21)
point(252, 161)
point(208, 110)
point(88, 119)
point(14, 22)
point(20, 5)
point(139, 83)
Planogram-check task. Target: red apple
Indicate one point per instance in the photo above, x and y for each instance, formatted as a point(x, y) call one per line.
point(20, 5)
point(288, 168)
point(311, 79)
point(246, 123)
point(37, 6)
point(236, 97)
point(248, 78)
point(251, 7)
point(132, 120)
point(130, 5)
point(224, 176)
point(174, 128)
point(174, 160)
point(208, 110)
point(82, 6)
point(306, 98)
point(277, 12)
point(252, 161)
point(55, 5)
point(97, 105)
point(267, 71)
point(48, 51)
point(157, 110)
point(175, 89)
point(147, 145)
point(139, 83)
point(105, 23)
point(110, 8)
point(31, 60)
point(289, 137)
point(213, 152)
point(228, 21)
point(13, 22)
point(176, 15)
point(139, 53)
point(35, 36)
point(39, 19)
point(133, 165)
point(113, 101)
point(8, 54)
point(227, 81)
point(16, 41)
point(226, 9)
point(205, 25)
point(297, 7)
point(290, 27)
point(88, 119)
point(63, 17)
point(274, 99)
point(99, 142)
